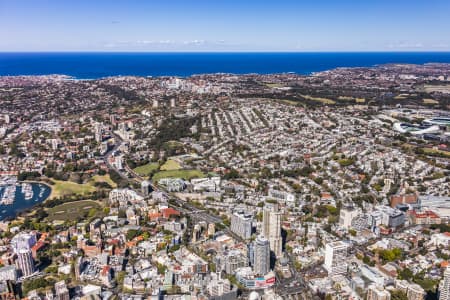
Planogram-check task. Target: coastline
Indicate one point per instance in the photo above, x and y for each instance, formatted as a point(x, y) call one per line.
point(83, 66)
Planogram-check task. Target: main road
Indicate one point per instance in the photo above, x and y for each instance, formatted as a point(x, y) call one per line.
point(293, 286)
point(176, 202)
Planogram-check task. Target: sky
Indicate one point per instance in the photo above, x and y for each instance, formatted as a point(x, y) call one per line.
point(224, 25)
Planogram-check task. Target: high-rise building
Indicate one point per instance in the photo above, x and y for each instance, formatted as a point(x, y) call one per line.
point(412, 290)
point(346, 216)
point(272, 229)
point(112, 120)
point(211, 229)
point(146, 188)
point(261, 260)
point(8, 273)
point(79, 266)
point(336, 257)
point(61, 291)
point(375, 292)
point(23, 241)
point(25, 262)
point(444, 286)
point(241, 224)
point(98, 132)
point(416, 292)
point(218, 286)
point(21, 245)
point(233, 260)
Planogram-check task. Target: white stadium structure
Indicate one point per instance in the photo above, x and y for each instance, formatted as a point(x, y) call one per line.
point(416, 129)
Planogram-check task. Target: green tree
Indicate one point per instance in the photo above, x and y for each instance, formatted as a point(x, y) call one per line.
point(398, 295)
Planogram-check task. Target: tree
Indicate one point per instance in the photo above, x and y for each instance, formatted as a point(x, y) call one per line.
point(405, 274)
point(391, 255)
point(92, 212)
point(161, 268)
point(398, 295)
point(120, 277)
point(132, 233)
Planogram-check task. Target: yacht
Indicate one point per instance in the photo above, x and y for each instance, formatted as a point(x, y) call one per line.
point(27, 190)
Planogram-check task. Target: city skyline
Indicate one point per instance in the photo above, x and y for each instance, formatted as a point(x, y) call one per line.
point(224, 26)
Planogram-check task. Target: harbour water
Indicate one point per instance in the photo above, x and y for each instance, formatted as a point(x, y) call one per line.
point(20, 196)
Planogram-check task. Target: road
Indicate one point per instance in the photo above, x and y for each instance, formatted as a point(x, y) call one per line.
point(285, 287)
point(183, 206)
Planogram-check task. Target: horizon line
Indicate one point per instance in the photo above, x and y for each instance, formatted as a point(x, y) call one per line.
point(226, 51)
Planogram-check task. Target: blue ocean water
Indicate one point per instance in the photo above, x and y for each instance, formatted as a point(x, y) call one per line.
point(93, 65)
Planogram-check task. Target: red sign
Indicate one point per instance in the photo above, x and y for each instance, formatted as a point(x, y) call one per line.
point(270, 280)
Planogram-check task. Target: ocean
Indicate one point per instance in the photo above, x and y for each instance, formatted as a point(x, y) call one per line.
point(92, 65)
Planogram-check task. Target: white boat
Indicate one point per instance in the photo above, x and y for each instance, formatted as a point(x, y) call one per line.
point(27, 190)
point(41, 190)
point(9, 195)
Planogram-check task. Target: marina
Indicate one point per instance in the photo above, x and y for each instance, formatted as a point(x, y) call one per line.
point(15, 196)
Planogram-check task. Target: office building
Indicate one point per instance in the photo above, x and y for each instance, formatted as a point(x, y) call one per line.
point(272, 229)
point(336, 258)
point(241, 224)
point(261, 260)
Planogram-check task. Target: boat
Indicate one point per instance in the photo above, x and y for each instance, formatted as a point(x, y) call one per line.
point(41, 190)
point(9, 195)
point(8, 180)
point(27, 190)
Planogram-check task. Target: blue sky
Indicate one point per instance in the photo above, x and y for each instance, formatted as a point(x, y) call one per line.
point(225, 25)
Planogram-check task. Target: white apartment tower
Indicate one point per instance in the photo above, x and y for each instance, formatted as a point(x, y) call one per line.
point(25, 262)
point(241, 224)
point(444, 286)
point(261, 262)
point(272, 229)
point(336, 258)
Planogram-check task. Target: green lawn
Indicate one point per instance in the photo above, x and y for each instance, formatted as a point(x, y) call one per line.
point(273, 85)
point(146, 169)
point(185, 174)
point(61, 188)
point(72, 210)
point(436, 151)
point(319, 99)
point(102, 178)
point(170, 165)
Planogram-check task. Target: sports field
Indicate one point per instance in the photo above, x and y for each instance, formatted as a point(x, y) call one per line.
point(185, 174)
point(72, 210)
point(144, 170)
point(170, 165)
